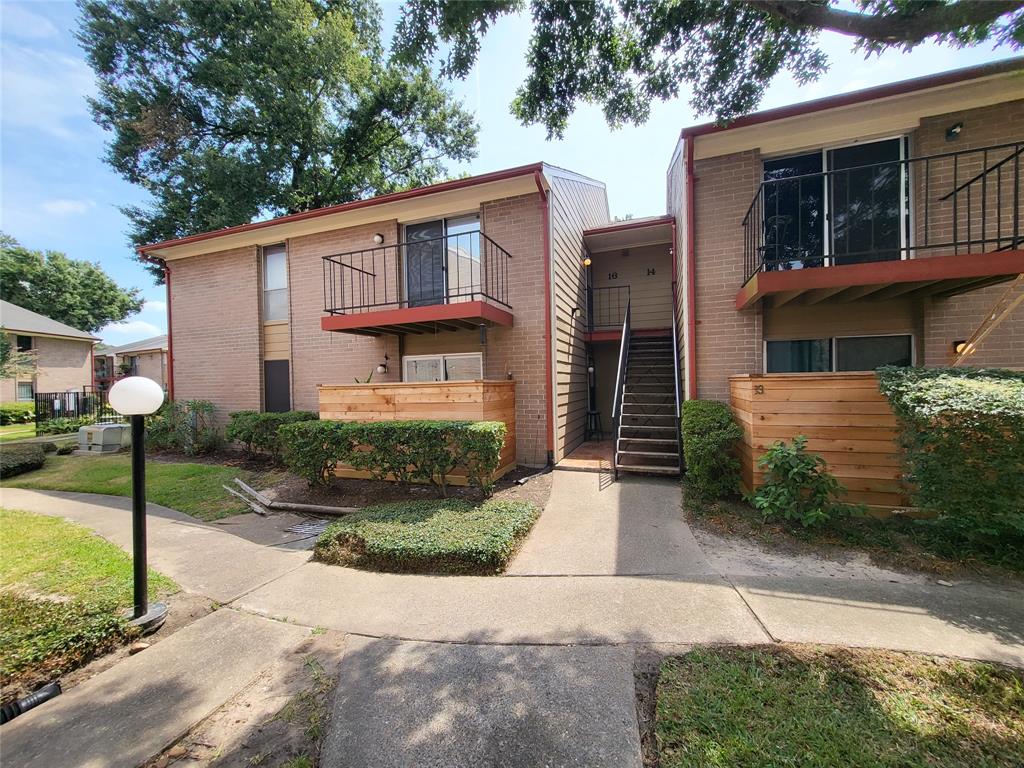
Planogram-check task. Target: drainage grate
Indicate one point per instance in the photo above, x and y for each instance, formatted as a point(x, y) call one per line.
point(309, 527)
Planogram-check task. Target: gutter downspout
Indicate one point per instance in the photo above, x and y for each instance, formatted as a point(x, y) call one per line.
point(545, 206)
point(691, 273)
point(170, 334)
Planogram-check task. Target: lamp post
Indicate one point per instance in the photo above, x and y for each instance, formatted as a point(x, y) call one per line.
point(137, 397)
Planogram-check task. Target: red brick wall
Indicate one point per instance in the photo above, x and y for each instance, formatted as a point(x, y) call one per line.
point(728, 342)
point(216, 329)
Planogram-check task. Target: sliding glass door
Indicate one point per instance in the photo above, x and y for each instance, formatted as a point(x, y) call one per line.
point(442, 260)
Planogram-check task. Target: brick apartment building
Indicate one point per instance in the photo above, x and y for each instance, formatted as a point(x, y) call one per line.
point(874, 227)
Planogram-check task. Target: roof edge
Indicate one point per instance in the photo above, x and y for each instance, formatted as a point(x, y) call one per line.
point(622, 226)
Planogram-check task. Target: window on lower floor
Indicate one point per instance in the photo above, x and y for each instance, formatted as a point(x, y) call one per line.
point(26, 391)
point(841, 353)
point(467, 366)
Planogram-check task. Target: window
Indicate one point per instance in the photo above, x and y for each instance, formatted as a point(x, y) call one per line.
point(843, 353)
point(26, 391)
point(24, 343)
point(275, 283)
point(456, 367)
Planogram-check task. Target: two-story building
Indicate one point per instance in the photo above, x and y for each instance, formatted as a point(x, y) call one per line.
point(875, 227)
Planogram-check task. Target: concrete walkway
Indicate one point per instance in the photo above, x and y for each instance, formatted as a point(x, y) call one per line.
point(458, 671)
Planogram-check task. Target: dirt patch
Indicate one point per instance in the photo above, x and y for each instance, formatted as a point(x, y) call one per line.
point(278, 720)
point(344, 492)
point(646, 668)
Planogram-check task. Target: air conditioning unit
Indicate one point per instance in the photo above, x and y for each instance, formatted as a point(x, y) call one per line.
point(104, 438)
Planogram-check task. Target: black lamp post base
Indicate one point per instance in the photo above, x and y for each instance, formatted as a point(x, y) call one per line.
point(151, 620)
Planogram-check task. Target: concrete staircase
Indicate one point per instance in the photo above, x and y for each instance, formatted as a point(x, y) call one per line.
point(647, 439)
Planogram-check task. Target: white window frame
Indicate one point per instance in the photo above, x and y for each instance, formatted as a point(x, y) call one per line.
point(17, 391)
point(263, 283)
point(834, 350)
point(441, 358)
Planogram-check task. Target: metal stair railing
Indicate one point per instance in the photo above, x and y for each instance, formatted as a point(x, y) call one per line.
point(620, 383)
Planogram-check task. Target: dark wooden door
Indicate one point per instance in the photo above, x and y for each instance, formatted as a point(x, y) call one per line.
point(276, 392)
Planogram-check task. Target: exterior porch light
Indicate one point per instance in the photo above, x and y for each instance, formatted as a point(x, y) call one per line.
point(483, 335)
point(137, 397)
point(953, 132)
point(378, 238)
point(383, 367)
point(586, 261)
point(960, 347)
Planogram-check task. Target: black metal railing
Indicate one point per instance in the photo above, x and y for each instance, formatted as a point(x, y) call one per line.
point(87, 403)
point(606, 306)
point(954, 203)
point(620, 385)
point(468, 266)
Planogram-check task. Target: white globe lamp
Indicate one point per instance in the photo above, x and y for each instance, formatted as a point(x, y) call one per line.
point(137, 397)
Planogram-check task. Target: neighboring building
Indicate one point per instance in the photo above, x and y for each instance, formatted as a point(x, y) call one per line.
point(827, 237)
point(63, 355)
point(147, 357)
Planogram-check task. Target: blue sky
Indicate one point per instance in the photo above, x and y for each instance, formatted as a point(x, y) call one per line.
point(56, 193)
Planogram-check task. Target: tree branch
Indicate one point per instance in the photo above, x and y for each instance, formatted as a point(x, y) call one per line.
point(935, 19)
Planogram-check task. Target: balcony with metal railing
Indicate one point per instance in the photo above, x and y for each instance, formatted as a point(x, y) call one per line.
point(909, 226)
point(418, 286)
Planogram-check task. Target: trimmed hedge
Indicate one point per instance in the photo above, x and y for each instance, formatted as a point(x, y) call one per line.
point(962, 434)
point(258, 432)
point(710, 439)
point(189, 427)
point(451, 536)
point(408, 451)
point(17, 413)
point(16, 459)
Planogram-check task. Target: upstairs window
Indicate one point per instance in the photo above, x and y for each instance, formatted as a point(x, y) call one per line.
point(275, 283)
point(24, 343)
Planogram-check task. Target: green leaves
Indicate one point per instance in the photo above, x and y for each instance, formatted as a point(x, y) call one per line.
point(797, 485)
point(77, 293)
point(258, 432)
point(710, 438)
point(227, 110)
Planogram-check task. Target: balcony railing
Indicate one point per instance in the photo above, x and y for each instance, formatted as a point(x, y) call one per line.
point(607, 306)
point(954, 203)
point(468, 266)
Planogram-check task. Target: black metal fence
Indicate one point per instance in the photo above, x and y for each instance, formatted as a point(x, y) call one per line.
point(607, 306)
point(467, 266)
point(87, 404)
point(954, 203)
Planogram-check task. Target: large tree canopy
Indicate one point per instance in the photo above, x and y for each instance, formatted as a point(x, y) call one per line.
point(77, 293)
point(228, 110)
point(622, 54)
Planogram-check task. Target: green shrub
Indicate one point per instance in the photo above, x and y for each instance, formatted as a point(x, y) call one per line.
point(63, 425)
point(407, 451)
point(797, 485)
point(710, 438)
point(258, 432)
point(450, 536)
point(16, 459)
point(48, 447)
point(66, 448)
point(17, 413)
point(311, 449)
point(189, 427)
point(960, 431)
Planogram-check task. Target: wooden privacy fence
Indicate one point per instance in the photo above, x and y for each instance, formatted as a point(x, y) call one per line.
point(401, 401)
point(845, 419)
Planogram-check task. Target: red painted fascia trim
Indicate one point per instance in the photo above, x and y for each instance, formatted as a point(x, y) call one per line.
point(445, 186)
point(627, 225)
point(549, 397)
point(462, 310)
point(882, 273)
point(691, 269)
point(170, 333)
point(858, 97)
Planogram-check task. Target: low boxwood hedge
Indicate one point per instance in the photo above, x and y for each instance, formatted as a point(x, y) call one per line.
point(961, 434)
point(450, 536)
point(407, 451)
point(710, 439)
point(16, 459)
point(258, 432)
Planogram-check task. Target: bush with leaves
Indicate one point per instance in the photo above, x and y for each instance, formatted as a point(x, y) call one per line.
point(312, 449)
point(797, 485)
point(63, 425)
point(710, 439)
point(189, 427)
point(963, 451)
point(258, 432)
point(16, 459)
point(17, 413)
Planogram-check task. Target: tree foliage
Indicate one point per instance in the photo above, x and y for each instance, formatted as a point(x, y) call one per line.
point(13, 362)
point(622, 54)
point(229, 110)
point(77, 293)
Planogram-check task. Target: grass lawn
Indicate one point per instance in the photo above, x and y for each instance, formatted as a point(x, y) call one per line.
point(196, 489)
point(16, 432)
point(62, 589)
point(808, 706)
point(441, 536)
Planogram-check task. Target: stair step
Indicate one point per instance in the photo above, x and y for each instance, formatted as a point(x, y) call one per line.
point(659, 440)
point(644, 426)
point(652, 454)
point(653, 470)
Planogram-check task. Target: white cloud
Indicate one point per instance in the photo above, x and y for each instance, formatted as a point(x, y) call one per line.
point(22, 23)
point(65, 207)
point(128, 331)
point(154, 306)
point(45, 91)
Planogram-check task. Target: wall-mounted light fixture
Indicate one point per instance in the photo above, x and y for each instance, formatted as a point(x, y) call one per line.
point(576, 311)
point(383, 367)
point(961, 347)
point(586, 260)
point(953, 132)
point(378, 238)
point(483, 335)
